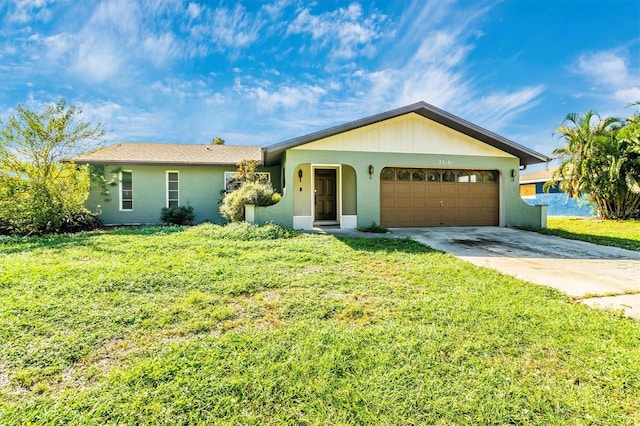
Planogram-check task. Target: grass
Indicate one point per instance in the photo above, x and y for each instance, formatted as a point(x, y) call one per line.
point(616, 233)
point(248, 325)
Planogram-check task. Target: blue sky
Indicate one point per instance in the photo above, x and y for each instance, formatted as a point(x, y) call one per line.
point(258, 72)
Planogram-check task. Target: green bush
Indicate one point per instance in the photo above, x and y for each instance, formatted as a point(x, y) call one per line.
point(79, 221)
point(257, 194)
point(28, 207)
point(374, 228)
point(181, 215)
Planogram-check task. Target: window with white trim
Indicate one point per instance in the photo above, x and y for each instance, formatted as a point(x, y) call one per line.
point(173, 189)
point(231, 184)
point(126, 190)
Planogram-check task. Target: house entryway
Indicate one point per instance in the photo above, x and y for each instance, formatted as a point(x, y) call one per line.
point(325, 198)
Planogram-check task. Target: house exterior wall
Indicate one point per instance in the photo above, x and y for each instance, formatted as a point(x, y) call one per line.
point(405, 141)
point(199, 187)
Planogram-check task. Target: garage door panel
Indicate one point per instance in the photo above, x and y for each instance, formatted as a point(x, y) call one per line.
point(418, 203)
point(448, 189)
point(403, 188)
point(387, 203)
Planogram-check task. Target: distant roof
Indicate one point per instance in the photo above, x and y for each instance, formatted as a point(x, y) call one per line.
point(162, 153)
point(539, 176)
point(527, 156)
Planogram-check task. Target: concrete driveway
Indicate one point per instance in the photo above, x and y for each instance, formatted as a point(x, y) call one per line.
point(580, 269)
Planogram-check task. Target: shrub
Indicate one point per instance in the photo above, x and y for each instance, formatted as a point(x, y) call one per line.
point(79, 221)
point(181, 215)
point(258, 194)
point(243, 231)
point(374, 228)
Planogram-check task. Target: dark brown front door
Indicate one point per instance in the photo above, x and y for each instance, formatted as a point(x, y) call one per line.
point(325, 194)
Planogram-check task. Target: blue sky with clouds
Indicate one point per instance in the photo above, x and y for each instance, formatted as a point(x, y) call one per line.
point(257, 72)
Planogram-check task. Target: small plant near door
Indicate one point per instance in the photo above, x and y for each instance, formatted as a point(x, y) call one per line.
point(374, 228)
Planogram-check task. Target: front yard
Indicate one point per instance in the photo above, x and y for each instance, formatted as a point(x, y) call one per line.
point(247, 325)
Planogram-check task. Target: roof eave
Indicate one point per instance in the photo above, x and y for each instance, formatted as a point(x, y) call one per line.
point(527, 156)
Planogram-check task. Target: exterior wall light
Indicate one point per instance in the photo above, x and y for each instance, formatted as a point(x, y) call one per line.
point(371, 170)
point(300, 174)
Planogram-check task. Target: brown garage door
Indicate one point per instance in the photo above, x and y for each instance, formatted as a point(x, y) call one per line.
point(438, 197)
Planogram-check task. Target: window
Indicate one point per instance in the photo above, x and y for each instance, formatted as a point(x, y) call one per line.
point(476, 177)
point(463, 176)
point(433, 175)
point(388, 174)
point(404, 174)
point(126, 190)
point(231, 184)
point(173, 191)
point(491, 177)
point(448, 176)
point(418, 175)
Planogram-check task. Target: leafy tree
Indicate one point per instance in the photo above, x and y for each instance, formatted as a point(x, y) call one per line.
point(601, 160)
point(217, 141)
point(39, 191)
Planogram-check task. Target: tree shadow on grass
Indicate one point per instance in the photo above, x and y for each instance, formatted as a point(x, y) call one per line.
point(386, 244)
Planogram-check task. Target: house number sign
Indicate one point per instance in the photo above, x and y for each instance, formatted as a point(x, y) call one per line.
point(445, 162)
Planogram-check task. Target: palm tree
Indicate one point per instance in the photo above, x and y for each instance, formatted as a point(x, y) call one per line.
point(601, 161)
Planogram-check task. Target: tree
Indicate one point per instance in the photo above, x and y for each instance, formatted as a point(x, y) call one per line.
point(217, 141)
point(601, 160)
point(41, 192)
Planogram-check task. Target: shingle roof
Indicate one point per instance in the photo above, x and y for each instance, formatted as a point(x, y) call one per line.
point(161, 153)
point(527, 156)
point(539, 176)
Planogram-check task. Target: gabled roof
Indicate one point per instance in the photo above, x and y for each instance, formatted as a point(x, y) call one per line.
point(527, 156)
point(171, 154)
point(539, 176)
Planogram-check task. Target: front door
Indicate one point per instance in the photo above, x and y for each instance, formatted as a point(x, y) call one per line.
point(325, 194)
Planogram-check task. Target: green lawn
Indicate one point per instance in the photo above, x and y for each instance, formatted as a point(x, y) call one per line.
point(246, 325)
point(616, 233)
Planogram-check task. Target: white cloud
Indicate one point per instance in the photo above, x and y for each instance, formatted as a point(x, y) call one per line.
point(610, 75)
point(627, 96)
point(346, 31)
point(161, 48)
point(497, 109)
point(604, 67)
point(275, 9)
point(98, 60)
point(194, 10)
point(234, 28)
point(24, 11)
point(99, 112)
point(283, 97)
point(116, 16)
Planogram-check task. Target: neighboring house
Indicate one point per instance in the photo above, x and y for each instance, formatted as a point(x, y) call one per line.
point(558, 202)
point(412, 166)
